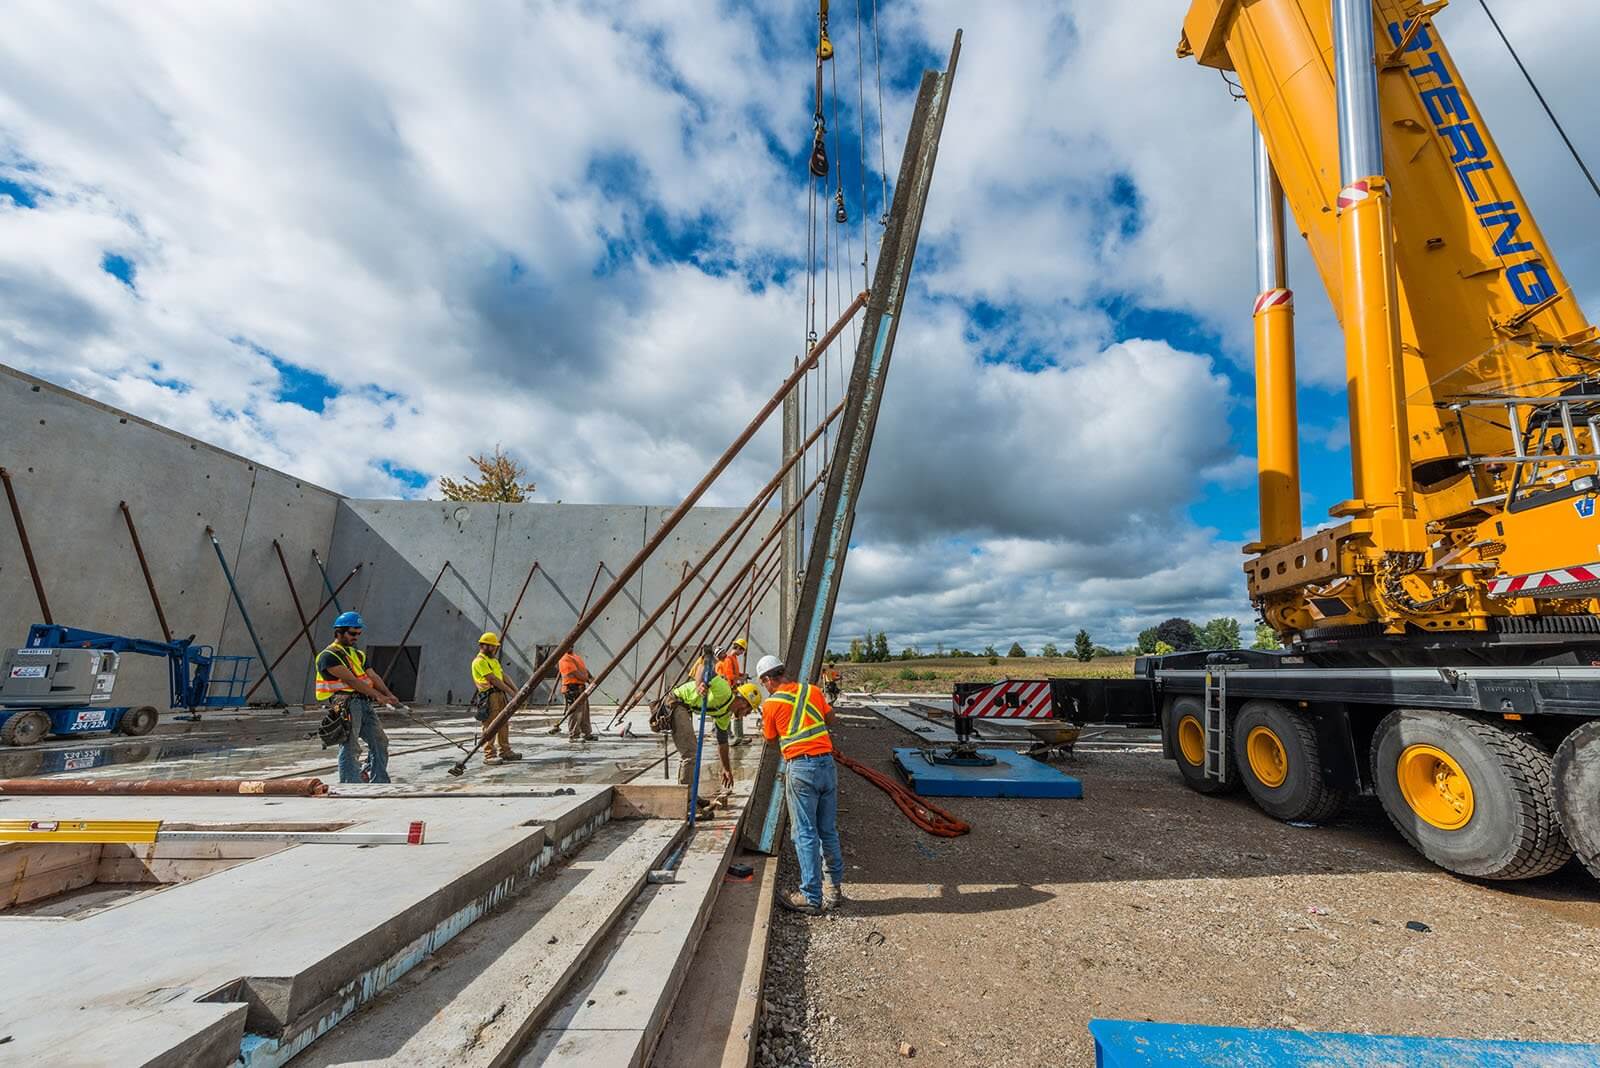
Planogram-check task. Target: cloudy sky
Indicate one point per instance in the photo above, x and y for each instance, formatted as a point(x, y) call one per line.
point(360, 241)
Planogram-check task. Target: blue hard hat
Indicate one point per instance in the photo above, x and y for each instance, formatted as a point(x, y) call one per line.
point(349, 621)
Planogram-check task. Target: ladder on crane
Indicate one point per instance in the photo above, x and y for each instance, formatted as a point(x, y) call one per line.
point(1215, 721)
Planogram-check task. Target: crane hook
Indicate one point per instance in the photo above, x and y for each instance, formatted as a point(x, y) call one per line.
point(819, 149)
point(839, 214)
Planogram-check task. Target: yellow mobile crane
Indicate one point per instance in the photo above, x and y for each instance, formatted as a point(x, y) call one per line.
point(1442, 638)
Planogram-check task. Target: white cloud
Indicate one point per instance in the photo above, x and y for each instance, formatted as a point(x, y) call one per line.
point(574, 229)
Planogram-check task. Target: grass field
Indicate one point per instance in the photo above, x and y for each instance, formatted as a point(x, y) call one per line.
point(938, 676)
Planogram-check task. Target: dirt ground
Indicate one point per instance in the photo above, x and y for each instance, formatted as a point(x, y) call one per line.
point(1144, 900)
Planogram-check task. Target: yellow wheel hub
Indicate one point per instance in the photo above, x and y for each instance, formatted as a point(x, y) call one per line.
point(1192, 741)
point(1268, 761)
point(1435, 787)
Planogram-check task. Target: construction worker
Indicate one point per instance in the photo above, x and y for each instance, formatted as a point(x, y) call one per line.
point(575, 680)
point(730, 668)
point(724, 705)
point(349, 688)
point(493, 691)
point(797, 717)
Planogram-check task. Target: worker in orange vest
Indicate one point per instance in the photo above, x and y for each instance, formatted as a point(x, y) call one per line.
point(797, 717)
point(730, 668)
point(575, 680)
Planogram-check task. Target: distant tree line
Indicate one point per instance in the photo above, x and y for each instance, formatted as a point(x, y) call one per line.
point(1175, 635)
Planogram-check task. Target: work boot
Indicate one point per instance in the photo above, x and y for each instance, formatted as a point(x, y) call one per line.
point(591, 737)
point(833, 897)
point(491, 758)
point(509, 755)
point(795, 901)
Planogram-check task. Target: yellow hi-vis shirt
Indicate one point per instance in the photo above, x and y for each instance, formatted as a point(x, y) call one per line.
point(485, 668)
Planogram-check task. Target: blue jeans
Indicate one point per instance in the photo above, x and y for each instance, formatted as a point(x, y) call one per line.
point(812, 790)
point(364, 727)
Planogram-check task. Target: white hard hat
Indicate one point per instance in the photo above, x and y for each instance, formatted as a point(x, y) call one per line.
point(767, 665)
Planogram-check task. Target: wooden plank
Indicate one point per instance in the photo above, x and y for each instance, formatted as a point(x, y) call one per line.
point(26, 870)
point(614, 1014)
point(715, 1018)
point(51, 883)
point(134, 870)
point(649, 801)
point(490, 988)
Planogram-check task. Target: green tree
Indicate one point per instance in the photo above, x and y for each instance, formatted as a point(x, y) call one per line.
point(1220, 633)
point(1162, 649)
point(499, 479)
point(1083, 646)
point(1178, 633)
point(990, 651)
point(1050, 650)
point(857, 651)
point(1147, 641)
point(880, 647)
point(1266, 638)
point(1016, 651)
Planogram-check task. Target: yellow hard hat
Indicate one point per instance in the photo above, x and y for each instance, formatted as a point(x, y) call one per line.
point(751, 695)
point(741, 643)
point(488, 637)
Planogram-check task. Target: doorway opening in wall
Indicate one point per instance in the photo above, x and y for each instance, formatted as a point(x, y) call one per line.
point(398, 668)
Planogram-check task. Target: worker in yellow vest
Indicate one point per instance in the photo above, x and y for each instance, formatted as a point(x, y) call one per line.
point(797, 717)
point(724, 705)
point(493, 691)
point(349, 688)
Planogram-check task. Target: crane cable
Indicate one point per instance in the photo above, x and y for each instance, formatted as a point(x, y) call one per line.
point(1582, 166)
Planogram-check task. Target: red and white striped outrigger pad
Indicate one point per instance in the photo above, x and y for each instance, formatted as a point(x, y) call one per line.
point(1009, 699)
point(1547, 583)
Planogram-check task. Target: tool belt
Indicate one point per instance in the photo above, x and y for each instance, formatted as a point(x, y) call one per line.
point(572, 692)
point(335, 726)
point(480, 705)
point(661, 715)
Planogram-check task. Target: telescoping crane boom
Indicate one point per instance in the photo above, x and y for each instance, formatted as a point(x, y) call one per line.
point(1443, 637)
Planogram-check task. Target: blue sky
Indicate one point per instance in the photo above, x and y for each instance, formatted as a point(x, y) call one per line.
point(362, 242)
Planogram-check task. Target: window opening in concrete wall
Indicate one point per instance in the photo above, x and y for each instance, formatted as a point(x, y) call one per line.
point(399, 671)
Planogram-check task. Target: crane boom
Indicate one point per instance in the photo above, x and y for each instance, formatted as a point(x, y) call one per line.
point(1473, 406)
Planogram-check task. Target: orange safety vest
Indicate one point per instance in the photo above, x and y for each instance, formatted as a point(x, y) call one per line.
point(806, 723)
point(354, 660)
point(728, 667)
point(574, 672)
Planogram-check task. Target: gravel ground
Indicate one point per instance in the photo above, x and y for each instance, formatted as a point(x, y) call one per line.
point(1147, 901)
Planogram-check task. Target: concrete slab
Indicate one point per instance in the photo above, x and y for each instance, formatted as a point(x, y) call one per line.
point(715, 1017)
point(614, 1013)
point(476, 1003)
point(1012, 775)
point(258, 959)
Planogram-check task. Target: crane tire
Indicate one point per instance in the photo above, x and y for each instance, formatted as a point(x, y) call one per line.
point(1472, 796)
point(1280, 762)
point(139, 721)
point(25, 728)
point(1577, 774)
point(1179, 738)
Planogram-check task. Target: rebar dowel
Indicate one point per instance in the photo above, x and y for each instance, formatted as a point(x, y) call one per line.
point(144, 566)
point(505, 625)
point(742, 524)
point(668, 524)
point(299, 610)
point(305, 628)
point(401, 648)
point(27, 547)
point(333, 594)
point(244, 616)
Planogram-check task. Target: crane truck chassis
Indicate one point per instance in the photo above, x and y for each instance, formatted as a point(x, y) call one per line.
point(1443, 640)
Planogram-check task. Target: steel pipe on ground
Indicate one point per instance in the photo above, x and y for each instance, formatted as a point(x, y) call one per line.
point(172, 787)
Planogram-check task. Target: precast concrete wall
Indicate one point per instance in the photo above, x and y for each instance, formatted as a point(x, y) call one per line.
point(481, 555)
point(72, 460)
